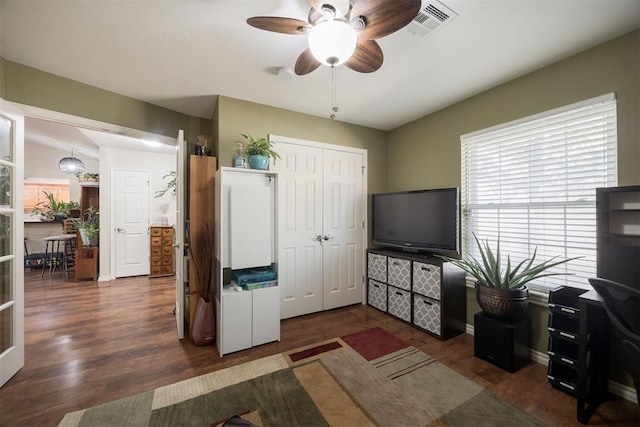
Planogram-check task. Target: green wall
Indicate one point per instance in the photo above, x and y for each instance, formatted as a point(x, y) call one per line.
point(236, 117)
point(426, 152)
point(29, 86)
point(2, 78)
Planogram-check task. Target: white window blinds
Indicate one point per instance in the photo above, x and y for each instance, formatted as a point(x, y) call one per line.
point(532, 182)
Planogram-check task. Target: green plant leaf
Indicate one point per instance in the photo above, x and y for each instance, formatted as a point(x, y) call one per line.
point(490, 273)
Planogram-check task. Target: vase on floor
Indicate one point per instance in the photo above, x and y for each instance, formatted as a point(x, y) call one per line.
point(204, 326)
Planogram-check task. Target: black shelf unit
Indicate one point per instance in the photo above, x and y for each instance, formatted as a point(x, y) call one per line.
point(564, 339)
point(422, 290)
point(618, 234)
point(578, 347)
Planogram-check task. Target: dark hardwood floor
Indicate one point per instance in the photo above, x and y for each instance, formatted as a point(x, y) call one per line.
point(88, 343)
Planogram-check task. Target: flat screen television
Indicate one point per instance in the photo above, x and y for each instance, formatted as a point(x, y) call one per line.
point(418, 221)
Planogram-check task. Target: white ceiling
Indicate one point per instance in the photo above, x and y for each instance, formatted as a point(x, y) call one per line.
point(183, 54)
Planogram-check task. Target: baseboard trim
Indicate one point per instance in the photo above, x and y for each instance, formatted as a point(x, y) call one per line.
point(624, 391)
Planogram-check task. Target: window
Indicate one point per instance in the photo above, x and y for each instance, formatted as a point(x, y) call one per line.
point(532, 182)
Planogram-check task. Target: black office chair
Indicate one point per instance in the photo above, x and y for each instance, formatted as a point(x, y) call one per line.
point(622, 304)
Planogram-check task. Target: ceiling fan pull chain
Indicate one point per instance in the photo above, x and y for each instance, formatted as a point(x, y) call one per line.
point(333, 93)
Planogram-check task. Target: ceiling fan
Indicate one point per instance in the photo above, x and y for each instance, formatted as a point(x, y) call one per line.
point(343, 32)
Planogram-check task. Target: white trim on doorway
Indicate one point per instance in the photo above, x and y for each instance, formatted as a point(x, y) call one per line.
point(107, 237)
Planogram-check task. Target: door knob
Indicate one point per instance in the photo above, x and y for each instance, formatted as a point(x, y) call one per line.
point(328, 237)
point(318, 237)
point(120, 230)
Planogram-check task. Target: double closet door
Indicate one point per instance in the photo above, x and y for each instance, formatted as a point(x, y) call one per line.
point(321, 217)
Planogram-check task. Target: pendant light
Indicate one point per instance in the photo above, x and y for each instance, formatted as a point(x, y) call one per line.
point(71, 165)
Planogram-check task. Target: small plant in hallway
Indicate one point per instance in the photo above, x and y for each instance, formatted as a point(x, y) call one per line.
point(88, 226)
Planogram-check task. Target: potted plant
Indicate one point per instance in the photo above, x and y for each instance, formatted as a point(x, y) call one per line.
point(502, 292)
point(51, 208)
point(171, 184)
point(73, 209)
point(201, 248)
point(258, 151)
point(89, 177)
point(88, 225)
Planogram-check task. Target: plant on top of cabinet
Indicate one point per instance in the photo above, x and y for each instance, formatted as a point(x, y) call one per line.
point(88, 226)
point(258, 151)
point(89, 177)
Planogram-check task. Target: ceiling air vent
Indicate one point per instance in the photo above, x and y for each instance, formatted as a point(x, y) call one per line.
point(433, 16)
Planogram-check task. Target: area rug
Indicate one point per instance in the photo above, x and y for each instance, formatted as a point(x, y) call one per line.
point(370, 378)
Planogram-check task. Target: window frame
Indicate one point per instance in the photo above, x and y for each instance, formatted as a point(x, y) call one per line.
point(537, 126)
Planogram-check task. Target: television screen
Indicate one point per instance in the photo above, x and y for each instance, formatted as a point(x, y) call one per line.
point(423, 220)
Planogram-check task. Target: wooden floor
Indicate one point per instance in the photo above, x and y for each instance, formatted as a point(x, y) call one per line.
point(88, 343)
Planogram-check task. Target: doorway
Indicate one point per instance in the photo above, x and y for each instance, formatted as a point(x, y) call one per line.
point(131, 210)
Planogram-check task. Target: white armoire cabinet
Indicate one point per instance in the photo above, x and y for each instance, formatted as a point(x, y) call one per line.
point(245, 239)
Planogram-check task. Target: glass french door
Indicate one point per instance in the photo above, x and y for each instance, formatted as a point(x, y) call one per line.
point(179, 234)
point(11, 241)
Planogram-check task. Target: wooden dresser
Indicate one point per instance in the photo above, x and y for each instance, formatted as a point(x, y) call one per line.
point(161, 259)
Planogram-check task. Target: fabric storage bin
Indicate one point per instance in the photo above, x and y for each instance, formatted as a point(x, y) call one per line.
point(399, 273)
point(426, 314)
point(399, 303)
point(377, 267)
point(426, 279)
point(377, 295)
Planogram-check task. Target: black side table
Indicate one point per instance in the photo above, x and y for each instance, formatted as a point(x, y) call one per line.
point(505, 343)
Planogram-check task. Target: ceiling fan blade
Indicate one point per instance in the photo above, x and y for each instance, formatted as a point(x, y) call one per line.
point(306, 63)
point(384, 17)
point(341, 7)
point(367, 57)
point(280, 25)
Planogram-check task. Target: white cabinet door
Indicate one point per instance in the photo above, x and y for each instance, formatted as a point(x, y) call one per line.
point(251, 224)
point(266, 315)
point(236, 321)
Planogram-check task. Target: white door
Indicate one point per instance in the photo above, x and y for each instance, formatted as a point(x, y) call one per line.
point(179, 234)
point(321, 231)
point(11, 241)
point(132, 222)
point(343, 228)
point(299, 227)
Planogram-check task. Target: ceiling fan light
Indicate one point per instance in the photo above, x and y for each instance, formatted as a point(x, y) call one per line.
point(340, 7)
point(332, 42)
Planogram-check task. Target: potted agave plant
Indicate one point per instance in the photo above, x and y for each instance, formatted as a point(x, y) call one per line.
point(502, 292)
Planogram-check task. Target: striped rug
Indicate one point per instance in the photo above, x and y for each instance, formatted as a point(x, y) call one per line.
point(370, 378)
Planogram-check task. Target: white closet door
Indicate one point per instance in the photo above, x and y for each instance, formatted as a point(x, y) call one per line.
point(299, 224)
point(343, 251)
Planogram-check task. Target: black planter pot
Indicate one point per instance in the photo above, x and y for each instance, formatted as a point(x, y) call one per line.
point(507, 304)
